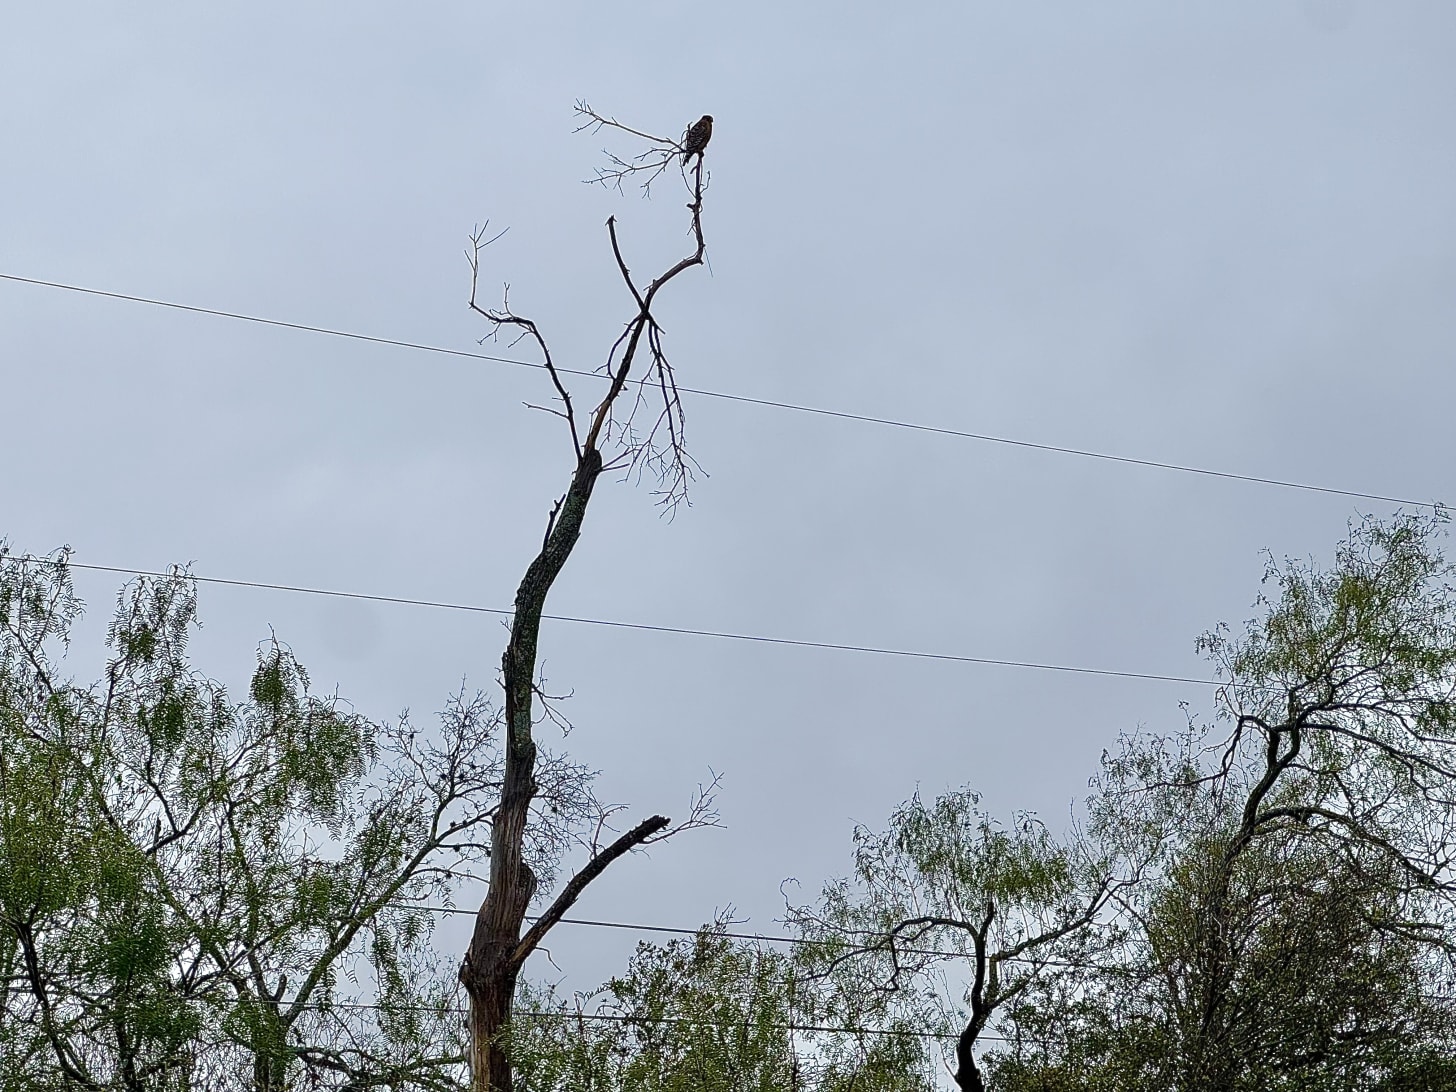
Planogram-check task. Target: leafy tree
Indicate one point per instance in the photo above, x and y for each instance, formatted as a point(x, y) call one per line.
point(81, 924)
point(948, 918)
point(194, 886)
point(1320, 997)
point(1293, 929)
point(706, 1014)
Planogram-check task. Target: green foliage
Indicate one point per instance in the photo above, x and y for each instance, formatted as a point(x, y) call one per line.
point(1291, 927)
point(706, 1014)
point(198, 891)
point(961, 856)
point(1384, 611)
point(894, 1058)
point(949, 916)
point(1419, 1069)
point(188, 882)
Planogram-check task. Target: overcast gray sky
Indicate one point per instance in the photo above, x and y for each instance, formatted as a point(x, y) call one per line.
point(1216, 234)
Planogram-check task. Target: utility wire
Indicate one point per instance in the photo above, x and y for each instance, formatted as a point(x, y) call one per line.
point(770, 403)
point(635, 927)
point(620, 1018)
point(723, 635)
point(727, 397)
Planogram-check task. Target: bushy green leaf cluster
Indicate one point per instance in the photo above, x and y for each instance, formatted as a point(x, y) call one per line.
point(706, 1014)
point(203, 891)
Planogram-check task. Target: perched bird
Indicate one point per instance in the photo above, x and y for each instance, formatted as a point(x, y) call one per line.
point(697, 137)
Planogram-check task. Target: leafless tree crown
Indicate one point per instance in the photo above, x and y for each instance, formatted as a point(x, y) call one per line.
point(643, 428)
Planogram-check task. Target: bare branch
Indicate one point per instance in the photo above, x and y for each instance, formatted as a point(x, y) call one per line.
point(578, 883)
point(644, 167)
point(504, 316)
point(702, 810)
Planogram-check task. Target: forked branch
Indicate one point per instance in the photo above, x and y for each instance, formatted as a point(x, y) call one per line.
point(502, 317)
point(644, 167)
point(661, 448)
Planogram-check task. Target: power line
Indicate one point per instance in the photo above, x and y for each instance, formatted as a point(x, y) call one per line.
point(637, 927)
point(281, 324)
point(1070, 964)
point(685, 631)
point(677, 930)
point(888, 422)
point(622, 1018)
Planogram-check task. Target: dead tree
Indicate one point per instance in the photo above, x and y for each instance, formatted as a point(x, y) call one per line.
point(639, 380)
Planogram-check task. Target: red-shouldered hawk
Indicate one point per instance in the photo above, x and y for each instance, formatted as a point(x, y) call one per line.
point(697, 137)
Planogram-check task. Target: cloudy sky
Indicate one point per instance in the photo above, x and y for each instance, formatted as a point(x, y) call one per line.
point(1219, 235)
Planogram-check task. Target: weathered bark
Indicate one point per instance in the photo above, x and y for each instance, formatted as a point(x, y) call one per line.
point(491, 966)
point(498, 950)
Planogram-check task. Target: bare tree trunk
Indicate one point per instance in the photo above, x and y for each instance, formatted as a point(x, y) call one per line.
point(491, 967)
point(489, 1012)
point(498, 948)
